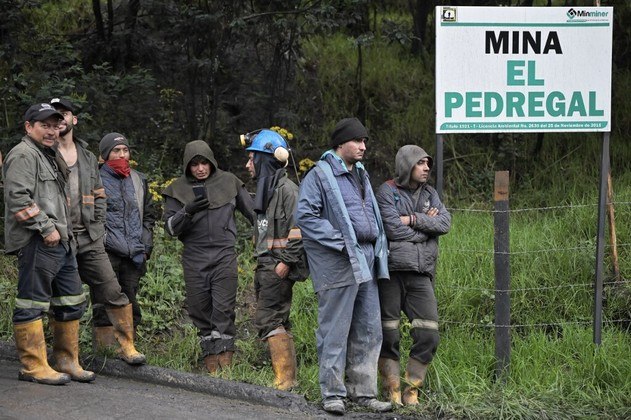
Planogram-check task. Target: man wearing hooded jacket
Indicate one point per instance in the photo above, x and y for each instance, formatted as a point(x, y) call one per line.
point(199, 209)
point(346, 249)
point(414, 217)
point(279, 251)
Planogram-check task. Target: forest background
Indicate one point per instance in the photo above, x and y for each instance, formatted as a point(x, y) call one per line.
point(165, 72)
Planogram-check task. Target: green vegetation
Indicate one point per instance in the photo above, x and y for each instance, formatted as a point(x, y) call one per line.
point(556, 370)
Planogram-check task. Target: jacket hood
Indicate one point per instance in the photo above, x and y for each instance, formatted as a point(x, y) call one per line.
point(197, 148)
point(406, 158)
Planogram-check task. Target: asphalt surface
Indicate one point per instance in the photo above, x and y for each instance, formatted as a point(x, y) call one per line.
point(148, 392)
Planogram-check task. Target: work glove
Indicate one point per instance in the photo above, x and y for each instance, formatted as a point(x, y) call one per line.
point(200, 203)
point(138, 260)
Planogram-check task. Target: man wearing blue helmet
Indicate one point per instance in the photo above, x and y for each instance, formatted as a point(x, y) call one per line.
point(280, 256)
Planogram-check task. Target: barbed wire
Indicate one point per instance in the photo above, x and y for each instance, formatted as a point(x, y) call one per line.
point(535, 251)
point(525, 289)
point(534, 325)
point(568, 206)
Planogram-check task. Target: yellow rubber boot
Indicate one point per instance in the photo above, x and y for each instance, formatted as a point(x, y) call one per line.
point(414, 377)
point(390, 379)
point(122, 321)
point(283, 353)
point(31, 346)
point(66, 350)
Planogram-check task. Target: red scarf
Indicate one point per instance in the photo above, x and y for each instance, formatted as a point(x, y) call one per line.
point(120, 166)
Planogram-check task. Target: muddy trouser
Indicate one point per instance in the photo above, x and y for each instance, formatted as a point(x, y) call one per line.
point(48, 279)
point(96, 271)
point(348, 340)
point(211, 297)
point(128, 276)
point(412, 293)
point(273, 299)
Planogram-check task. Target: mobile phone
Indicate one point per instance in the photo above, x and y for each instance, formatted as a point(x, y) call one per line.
point(199, 190)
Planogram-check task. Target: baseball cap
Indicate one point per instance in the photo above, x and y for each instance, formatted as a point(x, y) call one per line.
point(40, 112)
point(62, 103)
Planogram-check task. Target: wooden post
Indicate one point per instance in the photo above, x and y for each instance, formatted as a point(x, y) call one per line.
point(502, 274)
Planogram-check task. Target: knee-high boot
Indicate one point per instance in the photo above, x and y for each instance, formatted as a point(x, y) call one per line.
point(122, 321)
point(390, 379)
point(31, 346)
point(414, 378)
point(66, 350)
point(283, 354)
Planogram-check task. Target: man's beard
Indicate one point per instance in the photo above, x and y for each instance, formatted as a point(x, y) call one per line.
point(68, 129)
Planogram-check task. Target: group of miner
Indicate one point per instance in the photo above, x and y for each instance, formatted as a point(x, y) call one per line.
point(73, 218)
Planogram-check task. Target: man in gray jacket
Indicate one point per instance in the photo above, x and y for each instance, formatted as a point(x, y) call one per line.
point(39, 231)
point(414, 218)
point(346, 247)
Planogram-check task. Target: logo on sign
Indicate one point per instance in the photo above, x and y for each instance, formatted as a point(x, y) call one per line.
point(448, 14)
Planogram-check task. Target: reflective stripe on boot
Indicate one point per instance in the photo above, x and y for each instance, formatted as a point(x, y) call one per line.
point(29, 341)
point(390, 372)
point(414, 377)
point(66, 350)
point(122, 321)
point(283, 354)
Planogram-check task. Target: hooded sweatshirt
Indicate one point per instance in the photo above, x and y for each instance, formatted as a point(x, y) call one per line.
point(414, 247)
point(213, 229)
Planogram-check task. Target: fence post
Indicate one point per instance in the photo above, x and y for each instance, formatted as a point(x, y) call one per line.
point(502, 274)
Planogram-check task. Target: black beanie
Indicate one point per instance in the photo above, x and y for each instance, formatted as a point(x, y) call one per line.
point(347, 129)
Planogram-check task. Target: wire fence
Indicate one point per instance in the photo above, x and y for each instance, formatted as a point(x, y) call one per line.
point(622, 282)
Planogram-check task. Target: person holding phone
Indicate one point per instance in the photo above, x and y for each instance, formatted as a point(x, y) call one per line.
point(199, 209)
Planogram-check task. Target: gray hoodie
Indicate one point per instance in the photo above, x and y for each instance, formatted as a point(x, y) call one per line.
point(415, 247)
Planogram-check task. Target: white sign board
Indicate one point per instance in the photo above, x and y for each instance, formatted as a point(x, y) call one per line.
point(523, 69)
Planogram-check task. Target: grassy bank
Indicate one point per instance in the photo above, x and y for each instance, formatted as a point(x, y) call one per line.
point(556, 370)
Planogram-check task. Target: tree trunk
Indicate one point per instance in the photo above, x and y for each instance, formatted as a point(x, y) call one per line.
point(420, 10)
point(98, 19)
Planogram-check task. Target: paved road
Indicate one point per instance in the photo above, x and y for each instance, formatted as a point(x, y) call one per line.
point(117, 398)
point(149, 392)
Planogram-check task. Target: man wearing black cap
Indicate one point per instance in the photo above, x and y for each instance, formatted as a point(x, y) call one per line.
point(87, 212)
point(346, 247)
point(128, 223)
point(39, 231)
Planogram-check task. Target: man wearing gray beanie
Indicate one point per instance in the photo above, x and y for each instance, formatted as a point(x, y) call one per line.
point(129, 225)
point(346, 247)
